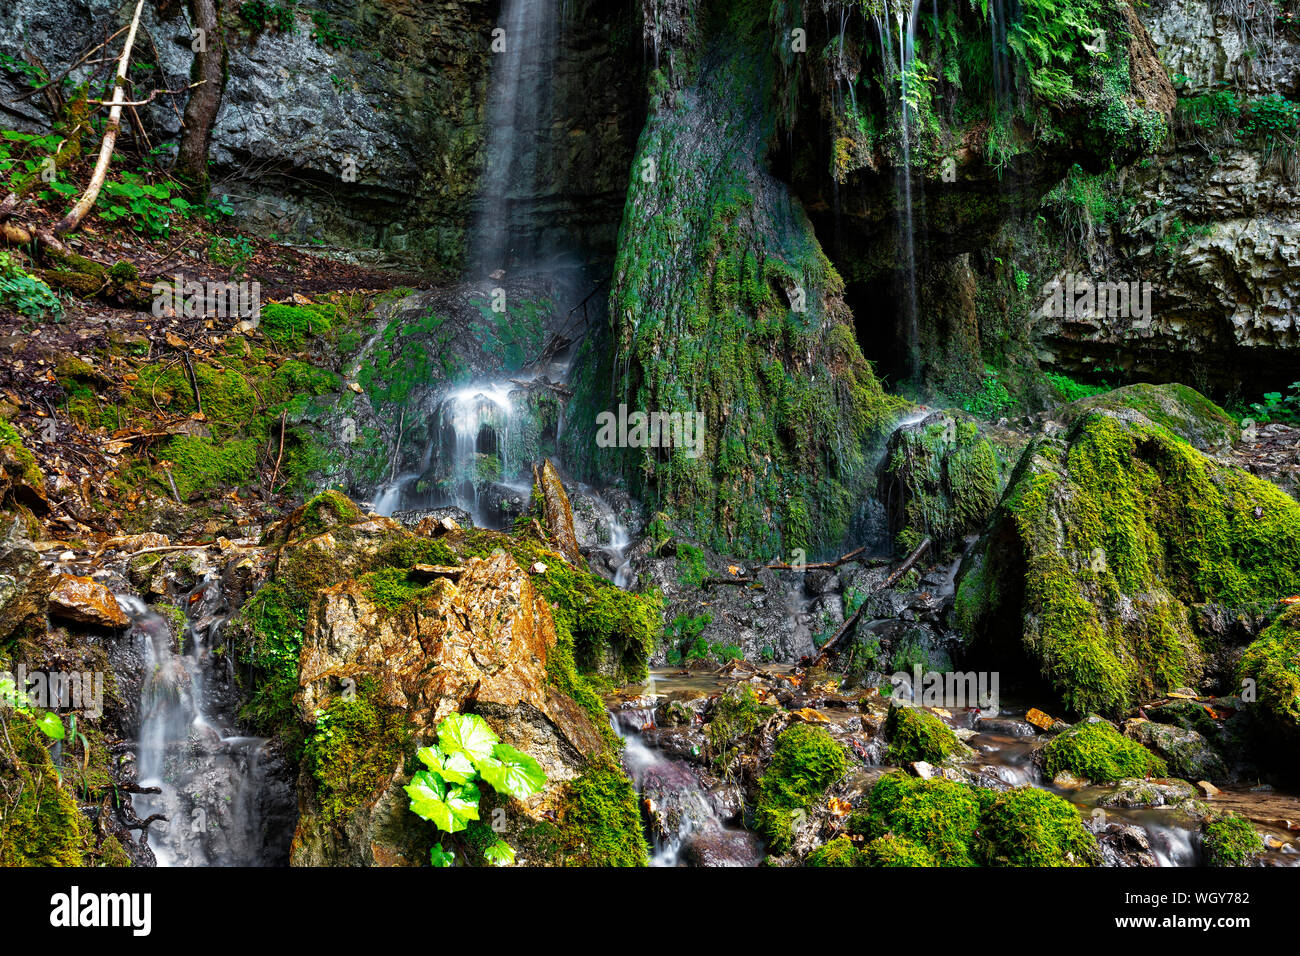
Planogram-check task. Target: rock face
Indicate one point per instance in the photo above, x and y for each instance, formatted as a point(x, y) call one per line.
point(363, 123)
point(479, 643)
point(1104, 539)
point(1213, 223)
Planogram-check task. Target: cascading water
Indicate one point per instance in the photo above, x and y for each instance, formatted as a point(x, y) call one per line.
point(525, 44)
point(209, 780)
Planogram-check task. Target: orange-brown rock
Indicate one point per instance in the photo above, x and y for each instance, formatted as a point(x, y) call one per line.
point(86, 601)
point(557, 513)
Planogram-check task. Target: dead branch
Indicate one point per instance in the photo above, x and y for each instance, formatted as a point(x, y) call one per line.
point(84, 204)
point(889, 582)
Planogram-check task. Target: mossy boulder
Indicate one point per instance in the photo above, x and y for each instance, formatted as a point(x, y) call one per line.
point(941, 479)
point(890, 850)
point(939, 822)
point(839, 852)
point(805, 762)
point(1272, 666)
point(1105, 538)
point(1030, 827)
point(1230, 840)
point(324, 512)
point(1185, 752)
point(22, 485)
point(1094, 750)
point(916, 734)
point(1183, 411)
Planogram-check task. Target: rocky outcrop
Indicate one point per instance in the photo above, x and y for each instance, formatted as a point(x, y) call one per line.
point(361, 123)
point(1212, 224)
point(477, 639)
point(85, 601)
point(557, 514)
point(1106, 537)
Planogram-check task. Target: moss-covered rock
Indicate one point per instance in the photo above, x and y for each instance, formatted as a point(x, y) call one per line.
point(890, 850)
point(941, 479)
point(915, 734)
point(1103, 541)
point(1230, 840)
point(939, 822)
point(1094, 750)
point(600, 819)
point(839, 852)
point(1030, 827)
point(1272, 664)
point(724, 304)
point(1183, 411)
point(805, 762)
point(937, 814)
point(1185, 752)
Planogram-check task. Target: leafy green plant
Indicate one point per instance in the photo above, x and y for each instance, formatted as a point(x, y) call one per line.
point(447, 792)
point(146, 207)
point(231, 251)
point(327, 36)
point(47, 722)
point(25, 293)
point(261, 15)
point(1278, 408)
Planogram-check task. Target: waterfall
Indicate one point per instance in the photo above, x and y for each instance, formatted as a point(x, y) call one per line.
point(907, 59)
point(519, 108)
point(208, 779)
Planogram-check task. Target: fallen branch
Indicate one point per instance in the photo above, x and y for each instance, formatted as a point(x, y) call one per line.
point(889, 582)
point(280, 457)
point(843, 559)
point(111, 128)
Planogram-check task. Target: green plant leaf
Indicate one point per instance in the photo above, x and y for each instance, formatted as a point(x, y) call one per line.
point(440, 857)
point(50, 725)
point(499, 853)
point(512, 772)
point(451, 768)
point(468, 733)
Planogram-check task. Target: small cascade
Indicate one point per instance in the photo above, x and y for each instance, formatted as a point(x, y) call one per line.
point(685, 826)
point(473, 450)
point(209, 779)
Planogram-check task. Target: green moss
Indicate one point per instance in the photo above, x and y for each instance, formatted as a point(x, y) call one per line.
point(290, 326)
point(1117, 533)
point(890, 850)
point(353, 753)
point(1273, 663)
point(839, 852)
point(1031, 827)
point(805, 761)
point(599, 819)
point(938, 814)
point(691, 566)
point(391, 589)
point(915, 734)
point(1230, 840)
point(1094, 750)
point(30, 471)
point(326, 511)
point(200, 465)
point(951, 824)
point(736, 715)
point(41, 824)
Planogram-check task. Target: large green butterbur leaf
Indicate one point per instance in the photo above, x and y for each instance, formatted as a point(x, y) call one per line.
point(453, 768)
point(512, 771)
point(449, 808)
point(467, 733)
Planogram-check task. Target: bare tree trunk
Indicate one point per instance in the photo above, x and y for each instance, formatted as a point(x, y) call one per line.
point(201, 109)
point(84, 204)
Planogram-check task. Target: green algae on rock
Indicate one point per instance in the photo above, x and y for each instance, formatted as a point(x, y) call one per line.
point(915, 734)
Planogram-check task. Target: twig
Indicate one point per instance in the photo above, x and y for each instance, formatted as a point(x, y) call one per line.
point(843, 559)
point(194, 381)
point(280, 457)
